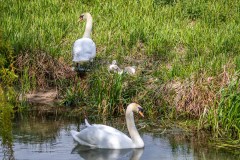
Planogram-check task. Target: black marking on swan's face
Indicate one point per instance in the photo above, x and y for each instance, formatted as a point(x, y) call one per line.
point(81, 17)
point(140, 111)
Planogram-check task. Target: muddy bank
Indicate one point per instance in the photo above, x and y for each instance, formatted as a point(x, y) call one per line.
point(45, 103)
point(47, 97)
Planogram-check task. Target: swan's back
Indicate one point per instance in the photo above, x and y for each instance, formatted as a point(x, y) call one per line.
point(84, 49)
point(102, 136)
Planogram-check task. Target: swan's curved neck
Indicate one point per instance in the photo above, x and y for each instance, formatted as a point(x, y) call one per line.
point(88, 28)
point(137, 140)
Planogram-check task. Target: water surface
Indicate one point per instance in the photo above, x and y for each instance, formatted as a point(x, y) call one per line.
point(50, 139)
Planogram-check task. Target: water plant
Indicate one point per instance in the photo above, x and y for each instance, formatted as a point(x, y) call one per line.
point(6, 116)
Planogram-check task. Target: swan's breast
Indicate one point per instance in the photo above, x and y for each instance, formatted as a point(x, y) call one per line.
point(84, 48)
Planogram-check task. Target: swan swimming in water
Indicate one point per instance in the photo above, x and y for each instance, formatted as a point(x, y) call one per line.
point(84, 49)
point(102, 136)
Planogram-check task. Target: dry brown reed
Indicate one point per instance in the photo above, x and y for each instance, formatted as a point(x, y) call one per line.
point(46, 69)
point(196, 95)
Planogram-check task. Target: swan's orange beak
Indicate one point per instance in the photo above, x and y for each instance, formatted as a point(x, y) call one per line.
point(141, 113)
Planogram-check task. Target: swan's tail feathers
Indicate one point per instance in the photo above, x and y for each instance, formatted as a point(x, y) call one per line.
point(73, 133)
point(77, 137)
point(86, 123)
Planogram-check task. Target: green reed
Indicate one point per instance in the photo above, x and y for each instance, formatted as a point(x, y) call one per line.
point(229, 109)
point(224, 119)
point(106, 92)
point(74, 96)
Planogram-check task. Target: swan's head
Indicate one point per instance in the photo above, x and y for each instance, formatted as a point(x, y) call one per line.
point(84, 16)
point(114, 62)
point(137, 108)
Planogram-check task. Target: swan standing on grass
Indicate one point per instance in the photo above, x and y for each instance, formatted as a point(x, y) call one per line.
point(84, 49)
point(102, 136)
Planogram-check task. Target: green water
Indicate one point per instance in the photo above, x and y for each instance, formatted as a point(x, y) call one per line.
point(35, 139)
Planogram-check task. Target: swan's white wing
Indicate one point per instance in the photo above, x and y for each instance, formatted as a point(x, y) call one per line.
point(84, 49)
point(109, 129)
point(104, 127)
point(102, 136)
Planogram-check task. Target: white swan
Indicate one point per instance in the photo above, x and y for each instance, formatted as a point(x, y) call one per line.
point(84, 49)
point(130, 70)
point(114, 67)
point(102, 136)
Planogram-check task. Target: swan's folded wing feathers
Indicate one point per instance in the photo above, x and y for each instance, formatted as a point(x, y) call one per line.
point(102, 136)
point(109, 129)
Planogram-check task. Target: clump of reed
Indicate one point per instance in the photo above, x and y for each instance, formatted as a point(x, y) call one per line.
point(42, 70)
point(198, 94)
point(75, 95)
point(223, 118)
point(106, 92)
point(228, 110)
point(213, 101)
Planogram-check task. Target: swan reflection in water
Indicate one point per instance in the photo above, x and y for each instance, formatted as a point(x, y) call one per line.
point(88, 153)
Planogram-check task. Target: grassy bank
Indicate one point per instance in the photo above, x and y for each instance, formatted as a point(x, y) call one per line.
point(186, 53)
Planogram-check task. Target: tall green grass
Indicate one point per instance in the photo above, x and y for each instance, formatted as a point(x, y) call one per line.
point(203, 28)
point(106, 93)
point(223, 120)
point(229, 109)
